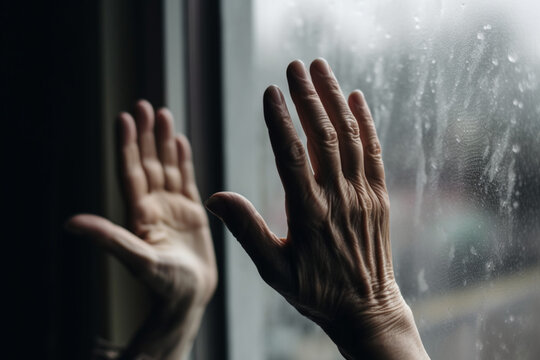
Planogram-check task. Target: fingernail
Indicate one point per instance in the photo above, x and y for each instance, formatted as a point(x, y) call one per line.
point(274, 95)
point(216, 206)
point(321, 67)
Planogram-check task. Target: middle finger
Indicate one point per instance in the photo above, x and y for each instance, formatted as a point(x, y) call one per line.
point(322, 140)
point(350, 145)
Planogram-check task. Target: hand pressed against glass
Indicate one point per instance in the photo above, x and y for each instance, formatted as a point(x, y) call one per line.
point(335, 265)
point(171, 248)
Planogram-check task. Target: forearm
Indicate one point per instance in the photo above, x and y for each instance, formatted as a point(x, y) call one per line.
point(167, 334)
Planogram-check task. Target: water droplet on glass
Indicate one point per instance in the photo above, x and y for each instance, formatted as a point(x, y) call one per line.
point(458, 140)
point(479, 345)
point(515, 204)
point(487, 27)
point(511, 318)
point(422, 284)
point(512, 57)
point(433, 61)
point(495, 62)
point(416, 19)
point(417, 27)
point(516, 148)
point(473, 251)
point(480, 36)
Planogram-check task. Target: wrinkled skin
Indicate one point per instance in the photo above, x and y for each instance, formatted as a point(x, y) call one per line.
point(170, 248)
point(335, 265)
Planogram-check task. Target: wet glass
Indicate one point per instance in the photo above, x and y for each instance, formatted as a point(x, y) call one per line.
point(454, 88)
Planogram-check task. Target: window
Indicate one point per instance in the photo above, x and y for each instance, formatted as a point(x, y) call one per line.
point(454, 90)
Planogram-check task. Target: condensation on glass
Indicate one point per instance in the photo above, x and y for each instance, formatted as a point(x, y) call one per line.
point(454, 90)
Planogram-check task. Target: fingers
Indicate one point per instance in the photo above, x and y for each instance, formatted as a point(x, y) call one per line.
point(132, 172)
point(249, 228)
point(134, 253)
point(373, 164)
point(167, 150)
point(291, 159)
point(155, 160)
point(185, 163)
point(144, 116)
point(322, 137)
point(350, 146)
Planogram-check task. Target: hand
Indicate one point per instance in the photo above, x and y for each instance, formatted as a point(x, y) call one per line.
point(335, 265)
point(170, 248)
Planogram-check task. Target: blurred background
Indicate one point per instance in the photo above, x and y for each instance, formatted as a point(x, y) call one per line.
point(454, 88)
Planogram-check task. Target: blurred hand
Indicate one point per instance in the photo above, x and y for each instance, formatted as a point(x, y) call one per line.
point(170, 248)
point(335, 265)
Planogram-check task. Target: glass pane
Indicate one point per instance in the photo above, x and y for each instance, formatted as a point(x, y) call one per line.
point(454, 90)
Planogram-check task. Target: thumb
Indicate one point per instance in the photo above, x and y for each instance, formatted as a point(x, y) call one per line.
point(133, 252)
point(249, 228)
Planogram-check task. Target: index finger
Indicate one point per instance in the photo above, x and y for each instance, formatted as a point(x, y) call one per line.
point(350, 145)
point(291, 159)
point(322, 139)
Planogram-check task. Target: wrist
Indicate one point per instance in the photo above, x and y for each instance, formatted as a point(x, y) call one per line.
point(387, 332)
point(168, 332)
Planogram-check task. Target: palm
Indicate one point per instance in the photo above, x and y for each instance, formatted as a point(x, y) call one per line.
point(163, 212)
point(176, 229)
point(171, 246)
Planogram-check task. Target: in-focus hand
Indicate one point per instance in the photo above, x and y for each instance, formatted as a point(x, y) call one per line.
point(335, 265)
point(170, 247)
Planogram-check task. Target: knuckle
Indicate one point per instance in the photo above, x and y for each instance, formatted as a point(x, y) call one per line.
point(328, 135)
point(367, 200)
point(368, 203)
point(350, 127)
point(374, 148)
point(293, 154)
